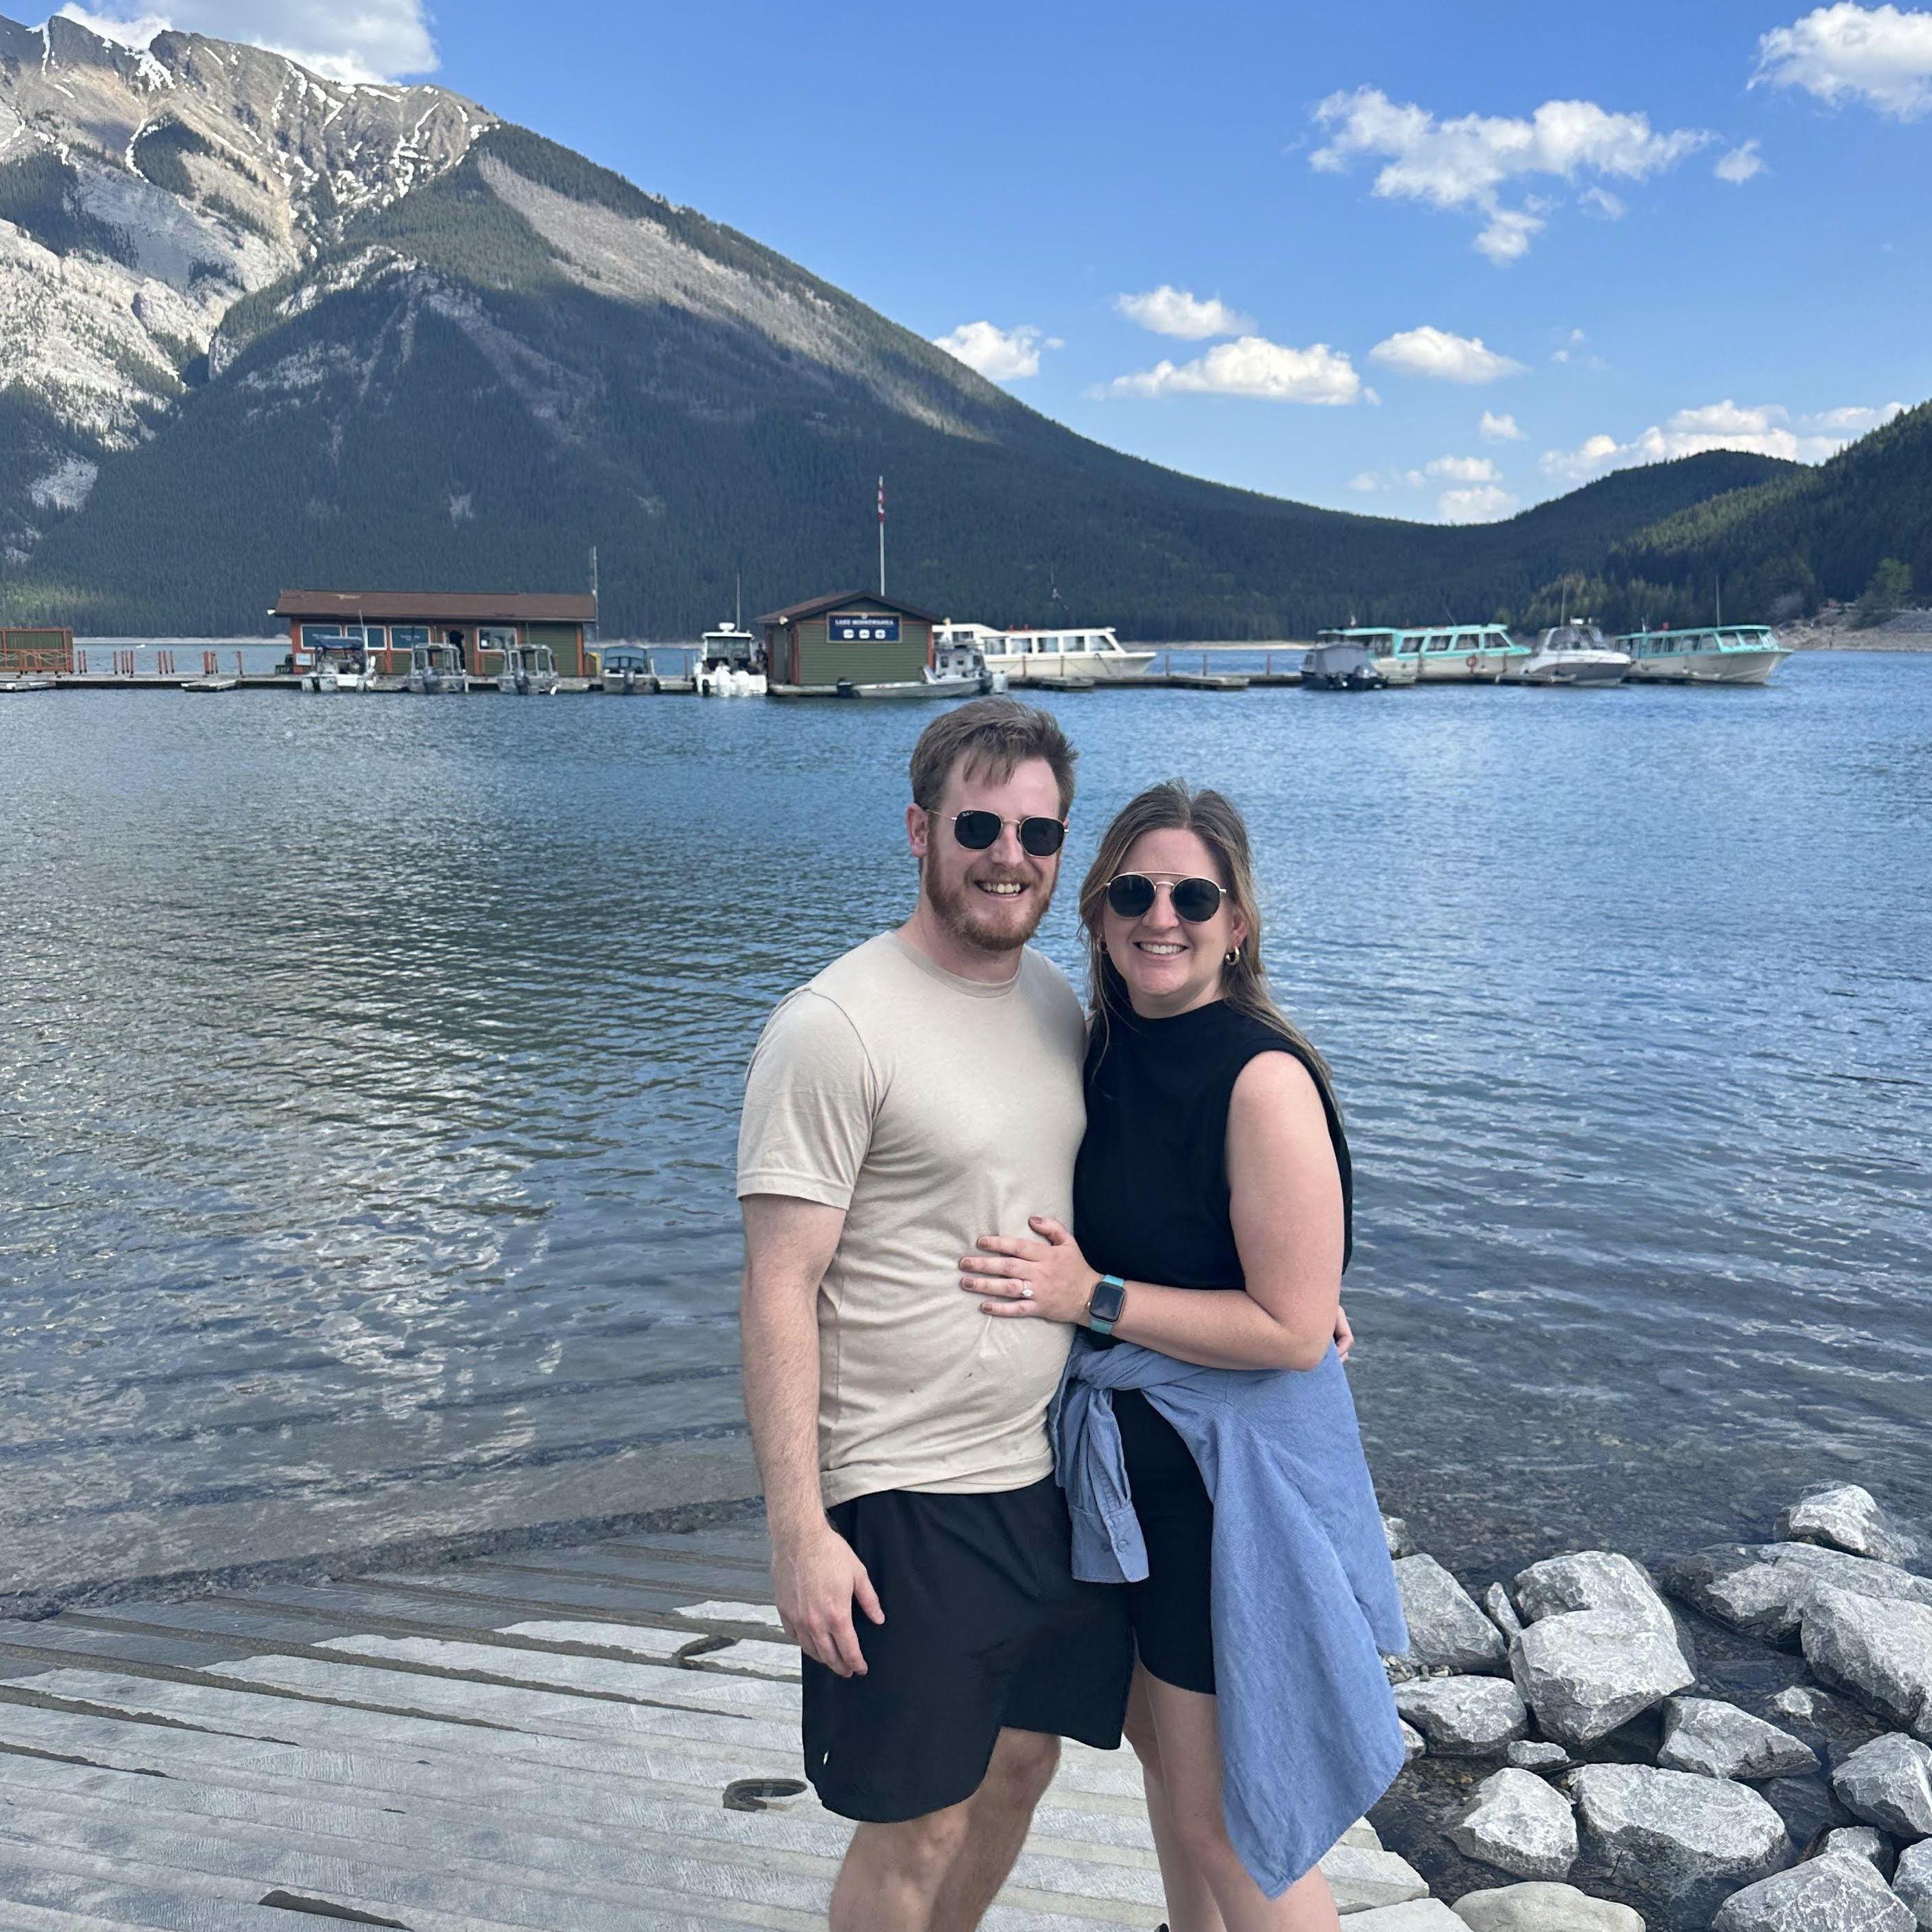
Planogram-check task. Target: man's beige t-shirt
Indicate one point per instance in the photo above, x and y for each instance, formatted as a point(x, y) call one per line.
point(933, 1110)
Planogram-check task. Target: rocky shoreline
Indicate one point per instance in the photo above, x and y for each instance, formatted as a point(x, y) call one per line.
point(1579, 1760)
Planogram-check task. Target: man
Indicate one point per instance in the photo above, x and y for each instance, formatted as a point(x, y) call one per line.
point(923, 1090)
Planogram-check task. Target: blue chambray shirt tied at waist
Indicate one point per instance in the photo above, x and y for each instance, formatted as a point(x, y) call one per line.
point(1304, 1597)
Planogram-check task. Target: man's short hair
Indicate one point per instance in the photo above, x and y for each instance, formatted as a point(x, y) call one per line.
point(993, 736)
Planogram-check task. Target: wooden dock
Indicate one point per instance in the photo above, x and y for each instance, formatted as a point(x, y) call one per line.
point(598, 1738)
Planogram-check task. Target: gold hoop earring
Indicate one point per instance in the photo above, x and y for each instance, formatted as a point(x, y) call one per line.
point(1232, 957)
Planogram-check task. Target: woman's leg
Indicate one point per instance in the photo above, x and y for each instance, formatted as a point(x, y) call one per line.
point(1190, 1904)
point(1190, 1751)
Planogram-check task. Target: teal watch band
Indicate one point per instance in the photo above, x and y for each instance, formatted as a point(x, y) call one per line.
point(1106, 1304)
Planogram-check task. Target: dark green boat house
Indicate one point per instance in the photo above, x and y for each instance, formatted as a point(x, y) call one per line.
point(856, 638)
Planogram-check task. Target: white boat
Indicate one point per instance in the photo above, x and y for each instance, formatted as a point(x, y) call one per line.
point(1711, 654)
point(211, 684)
point(529, 670)
point(1039, 656)
point(12, 687)
point(1575, 652)
point(435, 670)
point(729, 664)
point(962, 671)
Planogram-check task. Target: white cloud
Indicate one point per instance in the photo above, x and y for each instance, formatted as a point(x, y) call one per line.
point(1482, 504)
point(1768, 429)
point(1463, 469)
point(1601, 201)
point(1000, 354)
point(346, 40)
point(1463, 164)
point(1252, 366)
point(1168, 311)
point(1429, 351)
point(1367, 479)
point(1498, 429)
point(1882, 55)
point(1740, 165)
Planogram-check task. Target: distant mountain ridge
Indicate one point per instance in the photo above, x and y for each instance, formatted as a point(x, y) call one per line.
point(276, 329)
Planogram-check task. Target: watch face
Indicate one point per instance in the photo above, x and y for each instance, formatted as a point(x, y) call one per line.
point(1109, 1298)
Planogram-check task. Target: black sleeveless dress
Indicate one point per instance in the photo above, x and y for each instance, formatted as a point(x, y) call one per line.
point(1151, 1203)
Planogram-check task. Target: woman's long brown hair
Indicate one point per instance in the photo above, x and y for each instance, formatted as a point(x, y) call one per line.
point(1174, 805)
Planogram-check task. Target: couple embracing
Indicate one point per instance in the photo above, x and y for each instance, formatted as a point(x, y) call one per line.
point(1042, 1354)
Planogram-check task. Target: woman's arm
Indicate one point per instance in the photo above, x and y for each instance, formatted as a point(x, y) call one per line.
point(1285, 1203)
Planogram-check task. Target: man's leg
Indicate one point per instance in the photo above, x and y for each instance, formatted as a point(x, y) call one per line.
point(893, 1872)
point(999, 1815)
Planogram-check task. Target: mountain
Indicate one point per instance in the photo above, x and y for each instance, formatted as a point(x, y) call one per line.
point(1794, 538)
point(276, 329)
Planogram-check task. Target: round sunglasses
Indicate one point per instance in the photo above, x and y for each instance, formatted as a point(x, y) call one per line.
point(1131, 895)
point(979, 831)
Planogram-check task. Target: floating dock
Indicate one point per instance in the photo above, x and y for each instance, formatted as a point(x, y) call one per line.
point(598, 1738)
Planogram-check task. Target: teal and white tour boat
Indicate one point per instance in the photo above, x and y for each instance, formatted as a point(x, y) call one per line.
point(1709, 654)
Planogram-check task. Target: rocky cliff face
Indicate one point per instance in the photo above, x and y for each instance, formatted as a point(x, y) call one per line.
point(142, 194)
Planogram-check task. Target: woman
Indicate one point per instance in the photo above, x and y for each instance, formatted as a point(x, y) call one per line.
point(1212, 1197)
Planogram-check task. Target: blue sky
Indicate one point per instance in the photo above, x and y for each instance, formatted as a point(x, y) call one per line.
point(1430, 261)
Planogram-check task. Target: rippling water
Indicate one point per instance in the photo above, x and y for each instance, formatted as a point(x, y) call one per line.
point(370, 1069)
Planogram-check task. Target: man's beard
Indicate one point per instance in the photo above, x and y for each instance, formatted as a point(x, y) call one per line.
point(975, 921)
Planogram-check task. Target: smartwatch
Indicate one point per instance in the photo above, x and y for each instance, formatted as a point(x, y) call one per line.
point(1106, 1304)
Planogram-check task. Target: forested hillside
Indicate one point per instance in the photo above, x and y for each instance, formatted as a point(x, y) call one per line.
point(469, 372)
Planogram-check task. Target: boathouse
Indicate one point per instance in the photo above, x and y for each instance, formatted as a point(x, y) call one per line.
point(855, 636)
point(480, 623)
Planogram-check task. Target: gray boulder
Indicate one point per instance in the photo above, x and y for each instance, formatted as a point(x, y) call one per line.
point(1590, 1579)
point(1535, 1754)
point(1542, 1907)
point(1761, 1588)
point(1801, 1702)
point(1849, 1518)
point(1881, 1650)
point(1888, 1782)
point(1464, 1717)
point(1913, 1881)
point(1517, 1823)
point(1585, 1671)
point(1395, 1533)
point(1860, 1841)
point(1704, 1734)
point(1500, 1611)
point(1833, 1893)
point(1414, 1743)
point(1446, 1629)
point(1676, 1834)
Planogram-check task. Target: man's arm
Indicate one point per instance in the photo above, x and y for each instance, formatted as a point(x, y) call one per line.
point(789, 1244)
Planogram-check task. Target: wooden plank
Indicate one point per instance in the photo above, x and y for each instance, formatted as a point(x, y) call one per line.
point(750, 1657)
point(38, 1900)
point(375, 1876)
point(356, 1855)
point(528, 1592)
point(571, 1803)
point(728, 1613)
point(605, 1563)
point(592, 1678)
point(449, 1612)
point(759, 1747)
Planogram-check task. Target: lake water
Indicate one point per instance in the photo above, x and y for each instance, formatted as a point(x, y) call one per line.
point(370, 1068)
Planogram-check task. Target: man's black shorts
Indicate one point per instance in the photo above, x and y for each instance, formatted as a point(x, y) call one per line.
point(985, 1628)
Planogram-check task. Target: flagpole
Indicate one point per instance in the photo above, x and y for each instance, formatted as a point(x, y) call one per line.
point(882, 536)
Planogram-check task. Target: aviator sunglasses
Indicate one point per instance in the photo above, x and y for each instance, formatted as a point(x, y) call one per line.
point(979, 831)
point(1131, 895)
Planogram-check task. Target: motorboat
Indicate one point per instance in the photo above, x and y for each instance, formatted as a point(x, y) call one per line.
point(729, 664)
point(624, 670)
point(1338, 661)
point(1709, 654)
point(345, 670)
point(529, 670)
point(210, 684)
point(435, 670)
point(1575, 652)
point(1031, 656)
point(963, 669)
